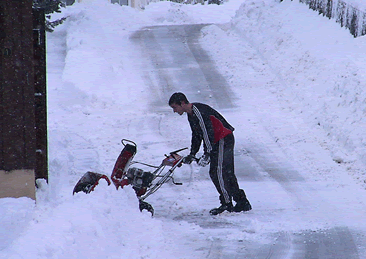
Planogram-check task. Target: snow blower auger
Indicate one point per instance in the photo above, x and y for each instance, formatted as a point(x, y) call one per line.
point(143, 182)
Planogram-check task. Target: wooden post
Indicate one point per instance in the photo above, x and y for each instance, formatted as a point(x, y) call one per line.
point(40, 95)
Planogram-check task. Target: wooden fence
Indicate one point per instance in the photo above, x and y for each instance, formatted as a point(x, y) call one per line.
point(342, 12)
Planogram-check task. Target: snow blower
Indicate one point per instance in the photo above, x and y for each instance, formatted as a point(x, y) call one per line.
point(143, 182)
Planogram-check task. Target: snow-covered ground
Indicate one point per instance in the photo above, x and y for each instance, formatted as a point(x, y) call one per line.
point(297, 74)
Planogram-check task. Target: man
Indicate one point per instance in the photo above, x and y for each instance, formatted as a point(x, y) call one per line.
point(216, 133)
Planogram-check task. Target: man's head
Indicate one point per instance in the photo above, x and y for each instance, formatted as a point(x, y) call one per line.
point(178, 98)
point(179, 103)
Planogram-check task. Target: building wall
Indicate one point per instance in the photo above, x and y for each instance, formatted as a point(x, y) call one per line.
point(17, 119)
point(17, 183)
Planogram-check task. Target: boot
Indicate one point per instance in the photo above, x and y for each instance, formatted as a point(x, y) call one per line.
point(242, 205)
point(224, 207)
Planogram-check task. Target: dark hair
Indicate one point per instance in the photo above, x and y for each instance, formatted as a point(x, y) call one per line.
point(178, 98)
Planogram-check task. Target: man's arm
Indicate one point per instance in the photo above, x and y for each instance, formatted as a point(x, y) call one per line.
point(195, 143)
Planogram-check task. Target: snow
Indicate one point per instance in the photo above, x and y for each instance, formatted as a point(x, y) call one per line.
point(297, 74)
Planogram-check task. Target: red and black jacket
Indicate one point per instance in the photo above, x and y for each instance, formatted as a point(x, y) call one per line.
point(207, 125)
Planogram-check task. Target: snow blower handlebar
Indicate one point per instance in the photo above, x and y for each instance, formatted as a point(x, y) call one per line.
point(164, 178)
point(173, 158)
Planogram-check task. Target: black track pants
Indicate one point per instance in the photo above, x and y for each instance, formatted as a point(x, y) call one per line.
point(222, 170)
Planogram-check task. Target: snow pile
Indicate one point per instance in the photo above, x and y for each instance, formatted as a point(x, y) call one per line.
point(93, 44)
point(90, 226)
point(166, 12)
point(316, 69)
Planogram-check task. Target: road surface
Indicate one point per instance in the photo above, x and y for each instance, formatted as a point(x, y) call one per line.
point(173, 60)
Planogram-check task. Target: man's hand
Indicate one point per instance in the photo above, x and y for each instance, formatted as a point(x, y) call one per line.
point(204, 160)
point(188, 159)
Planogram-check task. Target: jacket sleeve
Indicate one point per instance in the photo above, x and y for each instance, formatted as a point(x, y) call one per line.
point(196, 139)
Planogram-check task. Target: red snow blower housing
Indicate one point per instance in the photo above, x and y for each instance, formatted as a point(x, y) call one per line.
point(143, 182)
point(123, 160)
